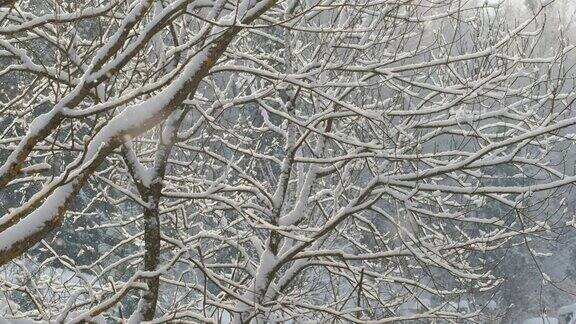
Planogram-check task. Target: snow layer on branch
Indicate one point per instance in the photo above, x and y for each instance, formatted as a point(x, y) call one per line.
point(141, 113)
point(122, 124)
point(35, 127)
point(37, 219)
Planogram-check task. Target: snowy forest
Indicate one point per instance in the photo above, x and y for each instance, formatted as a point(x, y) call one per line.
point(287, 161)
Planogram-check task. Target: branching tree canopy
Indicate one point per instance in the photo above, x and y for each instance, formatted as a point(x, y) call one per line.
point(255, 161)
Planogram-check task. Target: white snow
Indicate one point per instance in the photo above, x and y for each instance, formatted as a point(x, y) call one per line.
point(567, 309)
point(541, 320)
